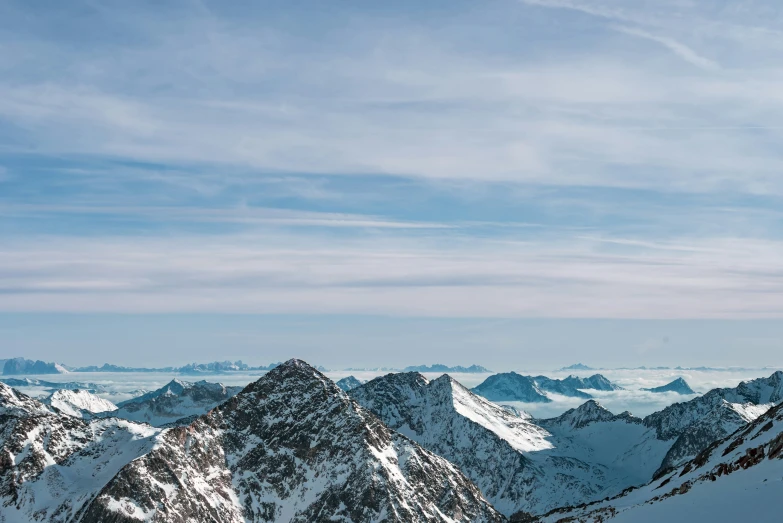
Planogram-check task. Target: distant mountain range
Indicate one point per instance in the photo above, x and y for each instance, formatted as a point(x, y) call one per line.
point(216, 367)
point(22, 366)
point(510, 386)
point(437, 367)
point(581, 367)
point(577, 366)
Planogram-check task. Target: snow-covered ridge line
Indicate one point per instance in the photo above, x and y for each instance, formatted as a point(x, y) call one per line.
point(721, 483)
point(245, 460)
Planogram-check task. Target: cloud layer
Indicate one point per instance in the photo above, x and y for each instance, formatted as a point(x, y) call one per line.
point(540, 158)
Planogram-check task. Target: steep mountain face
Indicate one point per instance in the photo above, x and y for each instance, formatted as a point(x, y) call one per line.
point(587, 413)
point(290, 447)
point(734, 479)
point(348, 383)
point(693, 425)
point(594, 382)
point(519, 466)
point(510, 386)
point(52, 464)
point(177, 399)
point(680, 386)
point(79, 403)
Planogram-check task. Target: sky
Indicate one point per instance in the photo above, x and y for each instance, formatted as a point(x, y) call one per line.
point(376, 179)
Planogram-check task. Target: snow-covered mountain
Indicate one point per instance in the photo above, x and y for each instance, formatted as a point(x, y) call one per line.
point(680, 386)
point(349, 382)
point(737, 478)
point(291, 447)
point(510, 386)
point(520, 466)
point(54, 464)
point(585, 454)
point(78, 403)
point(175, 400)
point(694, 424)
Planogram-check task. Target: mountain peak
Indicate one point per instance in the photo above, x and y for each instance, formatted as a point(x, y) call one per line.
point(679, 385)
point(293, 374)
point(586, 413)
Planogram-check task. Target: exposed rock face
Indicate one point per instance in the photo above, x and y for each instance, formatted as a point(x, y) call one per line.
point(52, 464)
point(177, 399)
point(680, 386)
point(518, 465)
point(290, 447)
point(587, 413)
point(694, 424)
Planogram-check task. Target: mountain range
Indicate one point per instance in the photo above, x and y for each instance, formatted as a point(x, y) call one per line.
point(510, 386)
point(291, 446)
point(526, 466)
point(174, 401)
point(736, 478)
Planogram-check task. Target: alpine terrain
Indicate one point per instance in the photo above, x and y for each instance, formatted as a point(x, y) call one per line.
point(290, 447)
point(174, 401)
point(737, 478)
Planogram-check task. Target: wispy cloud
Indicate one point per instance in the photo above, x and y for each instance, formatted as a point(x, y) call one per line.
point(428, 276)
point(533, 158)
point(680, 49)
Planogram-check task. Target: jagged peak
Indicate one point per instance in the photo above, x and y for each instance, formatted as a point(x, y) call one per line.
point(295, 372)
point(592, 406)
point(412, 379)
point(586, 413)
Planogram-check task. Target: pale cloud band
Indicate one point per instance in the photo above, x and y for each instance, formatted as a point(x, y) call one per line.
point(539, 158)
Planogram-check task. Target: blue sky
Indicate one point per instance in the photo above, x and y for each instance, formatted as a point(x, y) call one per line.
point(394, 163)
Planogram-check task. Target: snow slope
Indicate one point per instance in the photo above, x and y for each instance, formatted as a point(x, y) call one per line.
point(290, 447)
point(738, 478)
point(518, 465)
point(54, 464)
point(175, 400)
point(79, 403)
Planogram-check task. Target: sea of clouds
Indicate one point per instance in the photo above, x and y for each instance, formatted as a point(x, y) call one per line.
point(121, 386)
